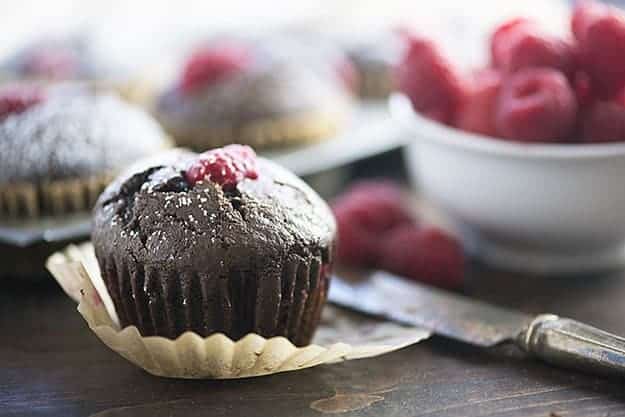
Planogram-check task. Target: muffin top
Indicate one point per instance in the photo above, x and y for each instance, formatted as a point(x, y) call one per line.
point(233, 82)
point(58, 59)
point(69, 131)
point(224, 209)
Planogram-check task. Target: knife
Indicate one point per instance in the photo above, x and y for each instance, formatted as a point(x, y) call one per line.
point(557, 340)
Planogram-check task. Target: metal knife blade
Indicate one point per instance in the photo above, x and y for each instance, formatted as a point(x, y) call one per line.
point(455, 316)
point(557, 340)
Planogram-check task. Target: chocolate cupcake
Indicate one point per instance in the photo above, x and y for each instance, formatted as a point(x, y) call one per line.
point(245, 92)
point(60, 146)
point(218, 242)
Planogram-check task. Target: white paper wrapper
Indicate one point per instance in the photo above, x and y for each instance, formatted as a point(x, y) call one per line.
point(341, 335)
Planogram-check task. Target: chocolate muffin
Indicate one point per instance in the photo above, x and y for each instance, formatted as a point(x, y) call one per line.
point(245, 92)
point(61, 145)
point(218, 242)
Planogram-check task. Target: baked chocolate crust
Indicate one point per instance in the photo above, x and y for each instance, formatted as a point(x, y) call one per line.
point(253, 259)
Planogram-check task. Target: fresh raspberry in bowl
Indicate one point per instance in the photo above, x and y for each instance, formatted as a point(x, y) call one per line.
point(476, 114)
point(536, 105)
point(600, 33)
point(433, 84)
point(604, 121)
point(520, 43)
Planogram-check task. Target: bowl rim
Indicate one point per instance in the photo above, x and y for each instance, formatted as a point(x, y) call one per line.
point(401, 110)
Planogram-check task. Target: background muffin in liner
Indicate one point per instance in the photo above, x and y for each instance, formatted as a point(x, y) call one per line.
point(57, 155)
point(341, 336)
point(270, 101)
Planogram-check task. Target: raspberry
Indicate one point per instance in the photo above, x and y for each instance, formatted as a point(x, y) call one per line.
point(536, 105)
point(499, 38)
point(604, 121)
point(425, 254)
point(476, 113)
point(434, 87)
point(225, 166)
point(54, 63)
point(520, 44)
point(209, 65)
point(15, 99)
point(584, 13)
point(364, 213)
point(584, 90)
point(600, 31)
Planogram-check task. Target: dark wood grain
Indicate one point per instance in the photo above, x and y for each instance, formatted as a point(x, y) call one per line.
point(51, 365)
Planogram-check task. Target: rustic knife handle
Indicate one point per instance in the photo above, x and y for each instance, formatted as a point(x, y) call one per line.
point(569, 343)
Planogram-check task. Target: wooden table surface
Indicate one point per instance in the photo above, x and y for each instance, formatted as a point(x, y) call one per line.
point(52, 365)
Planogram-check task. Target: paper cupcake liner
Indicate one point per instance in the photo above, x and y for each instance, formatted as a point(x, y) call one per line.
point(217, 356)
point(26, 200)
point(309, 127)
point(283, 299)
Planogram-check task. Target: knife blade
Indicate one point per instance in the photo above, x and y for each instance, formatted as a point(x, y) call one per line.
point(557, 340)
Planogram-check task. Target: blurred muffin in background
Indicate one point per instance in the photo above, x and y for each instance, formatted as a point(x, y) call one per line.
point(60, 145)
point(250, 92)
point(74, 57)
point(374, 57)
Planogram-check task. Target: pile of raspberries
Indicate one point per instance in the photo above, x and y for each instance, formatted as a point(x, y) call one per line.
point(536, 88)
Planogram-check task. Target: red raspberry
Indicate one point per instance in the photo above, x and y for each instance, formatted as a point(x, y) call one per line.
point(16, 98)
point(209, 65)
point(476, 113)
point(499, 38)
point(364, 213)
point(430, 81)
point(584, 90)
point(584, 13)
point(520, 44)
point(536, 105)
point(604, 121)
point(56, 63)
point(600, 33)
point(425, 254)
point(225, 166)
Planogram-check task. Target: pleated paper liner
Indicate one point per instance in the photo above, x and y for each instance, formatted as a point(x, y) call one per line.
point(285, 131)
point(30, 200)
point(341, 335)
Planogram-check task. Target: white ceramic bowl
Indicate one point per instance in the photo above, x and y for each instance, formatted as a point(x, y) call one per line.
point(547, 209)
